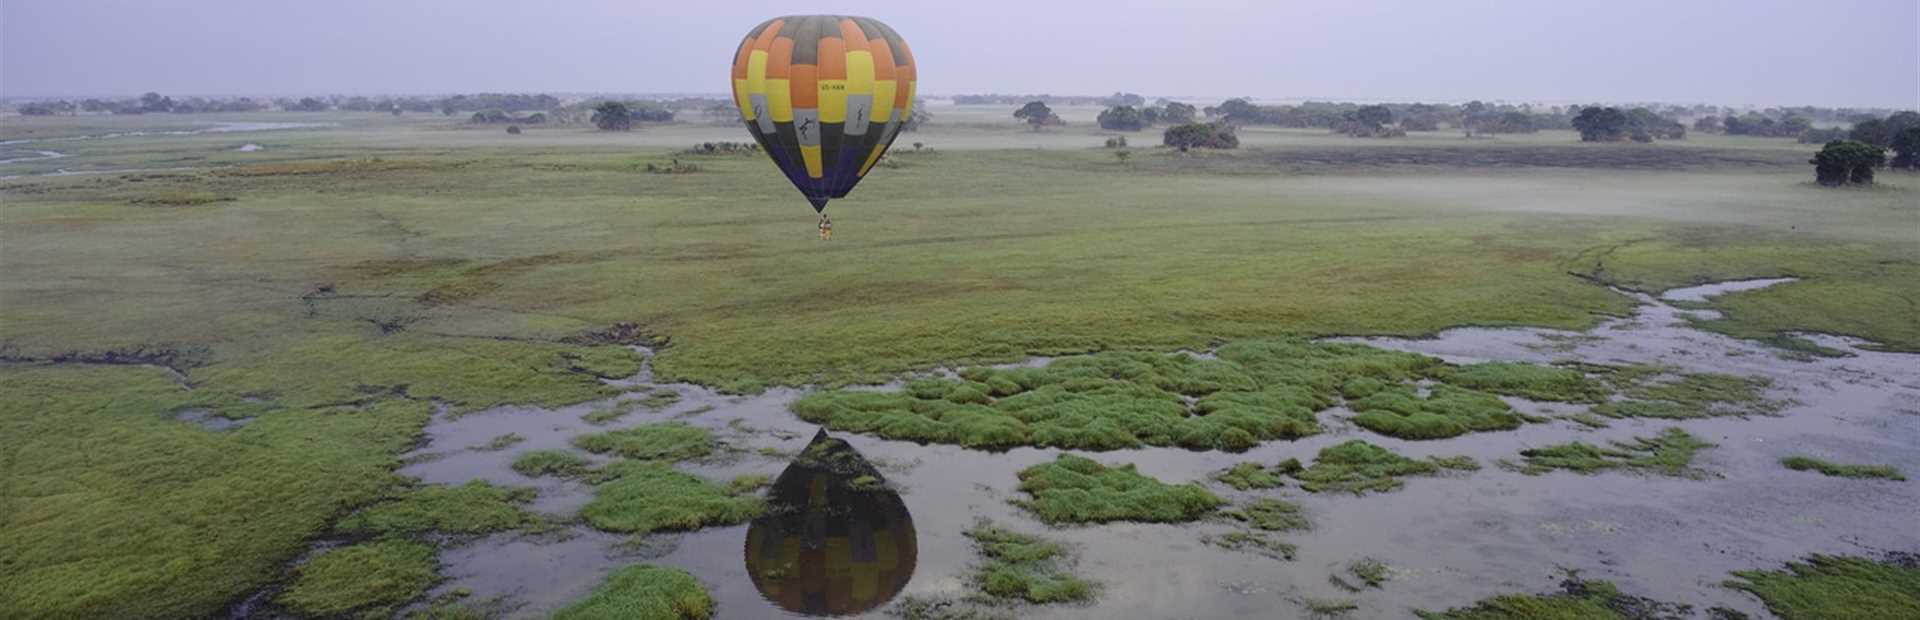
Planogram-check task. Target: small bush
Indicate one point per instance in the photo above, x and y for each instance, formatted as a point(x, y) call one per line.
point(1201, 135)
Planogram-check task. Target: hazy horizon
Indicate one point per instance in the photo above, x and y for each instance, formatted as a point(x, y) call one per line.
point(1755, 53)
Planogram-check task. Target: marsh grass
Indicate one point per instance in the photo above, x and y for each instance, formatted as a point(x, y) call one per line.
point(552, 462)
point(368, 578)
point(1670, 453)
point(1256, 391)
point(1530, 381)
point(1826, 586)
point(532, 245)
point(636, 497)
point(1273, 515)
point(1074, 489)
point(1249, 476)
point(1251, 541)
point(1840, 470)
point(664, 441)
point(469, 509)
point(643, 592)
point(178, 521)
point(1446, 411)
point(1025, 567)
point(501, 442)
point(1577, 599)
point(1358, 467)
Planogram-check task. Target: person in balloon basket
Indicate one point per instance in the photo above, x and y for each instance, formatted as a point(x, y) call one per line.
point(826, 228)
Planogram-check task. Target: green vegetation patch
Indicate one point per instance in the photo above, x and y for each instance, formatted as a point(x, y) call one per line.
point(1256, 542)
point(643, 592)
point(1807, 463)
point(1577, 600)
point(1446, 411)
point(472, 508)
point(1669, 453)
point(1826, 586)
point(1255, 391)
point(638, 497)
point(553, 462)
point(501, 442)
point(1075, 489)
point(1249, 476)
point(1272, 515)
point(1358, 467)
point(1366, 573)
point(665, 441)
point(1531, 381)
point(1662, 393)
point(116, 510)
point(1025, 567)
point(368, 578)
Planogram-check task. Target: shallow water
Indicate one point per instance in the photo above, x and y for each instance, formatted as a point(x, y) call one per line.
point(216, 128)
point(1451, 540)
point(1704, 291)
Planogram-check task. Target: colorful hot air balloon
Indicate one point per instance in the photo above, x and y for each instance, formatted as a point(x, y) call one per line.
point(835, 540)
point(824, 95)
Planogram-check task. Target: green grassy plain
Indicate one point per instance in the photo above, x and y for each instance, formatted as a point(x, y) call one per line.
point(333, 286)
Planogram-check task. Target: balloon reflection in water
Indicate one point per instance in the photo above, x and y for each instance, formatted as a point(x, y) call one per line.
point(835, 539)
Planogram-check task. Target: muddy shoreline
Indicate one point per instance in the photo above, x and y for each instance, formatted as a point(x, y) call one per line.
point(1450, 540)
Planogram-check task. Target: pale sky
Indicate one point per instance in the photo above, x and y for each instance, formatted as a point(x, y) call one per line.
point(1762, 52)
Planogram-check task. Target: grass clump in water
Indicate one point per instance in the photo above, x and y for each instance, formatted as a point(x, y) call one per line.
point(1075, 489)
point(501, 442)
point(666, 441)
point(1827, 586)
point(1025, 567)
point(1807, 463)
point(369, 578)
point(1358, 467)
point(1659, 393)
point(1256, 391)
point(1530, 381)
point(643, 592)
point(554, 462)
point(1248, 476)
point(638, 497)
point(1669, 453)
point(469, 509)
point(1447, 411)
point(1272, 515)
point(1368, 572)
point(748, 483)
point(1245, 540)
point(1577, 599)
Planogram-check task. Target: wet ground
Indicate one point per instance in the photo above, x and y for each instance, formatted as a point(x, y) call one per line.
point(1451, 540)
point(14, 151)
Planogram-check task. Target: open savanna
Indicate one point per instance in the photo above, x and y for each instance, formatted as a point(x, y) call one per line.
point(332, 285)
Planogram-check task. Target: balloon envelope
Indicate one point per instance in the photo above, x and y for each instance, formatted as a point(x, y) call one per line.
point(824, 95)
point(835, 539)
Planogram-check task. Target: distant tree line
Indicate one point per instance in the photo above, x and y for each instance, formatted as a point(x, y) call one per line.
point(1138, 116)
point(1608, 124)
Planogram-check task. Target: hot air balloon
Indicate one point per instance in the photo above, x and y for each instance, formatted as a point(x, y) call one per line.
point(834, 540)
point(824, 95)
